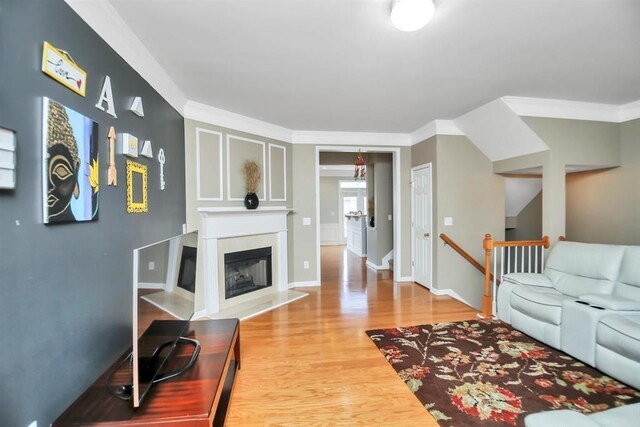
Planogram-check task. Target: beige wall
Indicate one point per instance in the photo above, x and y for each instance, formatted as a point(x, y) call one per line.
point(528, 222)
point(303, 246)
point(604, 206)
point(466, 189)
point(329, 195)
point(211, 174)
point(473, 195)
point(571, 142)
point(382, 243)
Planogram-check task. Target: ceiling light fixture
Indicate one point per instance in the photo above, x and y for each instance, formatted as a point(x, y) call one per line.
point(411, 15)
point(360, 167)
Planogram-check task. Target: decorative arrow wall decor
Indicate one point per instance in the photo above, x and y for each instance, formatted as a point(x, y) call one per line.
point(112, 173)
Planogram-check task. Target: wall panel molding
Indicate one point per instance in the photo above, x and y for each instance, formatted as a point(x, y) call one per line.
point(199, 160)
point(241, 140)
point(284, 173)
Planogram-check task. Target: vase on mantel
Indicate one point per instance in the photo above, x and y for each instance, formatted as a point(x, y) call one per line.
point(251, 201)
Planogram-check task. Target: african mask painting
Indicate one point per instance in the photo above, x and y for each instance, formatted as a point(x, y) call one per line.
point(70, 165)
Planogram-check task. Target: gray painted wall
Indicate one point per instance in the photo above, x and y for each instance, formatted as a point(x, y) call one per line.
point(66, 290)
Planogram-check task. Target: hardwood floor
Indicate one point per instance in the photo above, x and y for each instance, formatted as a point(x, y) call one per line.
point(310, 362)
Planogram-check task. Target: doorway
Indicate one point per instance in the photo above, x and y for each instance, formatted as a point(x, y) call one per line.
point(421, 225)
point(384, 205)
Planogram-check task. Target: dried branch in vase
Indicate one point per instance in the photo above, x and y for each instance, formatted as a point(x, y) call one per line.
point(251, 175)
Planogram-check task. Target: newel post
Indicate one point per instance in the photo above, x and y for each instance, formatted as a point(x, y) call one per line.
point(487, 244)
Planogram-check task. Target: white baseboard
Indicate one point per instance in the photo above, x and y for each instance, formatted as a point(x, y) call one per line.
point(451, 293)
point(149, 285)
point(377, 267)
point(307, 284)
point(388, 257)
point(405, 279)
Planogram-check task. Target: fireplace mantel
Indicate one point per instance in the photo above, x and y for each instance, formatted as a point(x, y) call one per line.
point(225, 223)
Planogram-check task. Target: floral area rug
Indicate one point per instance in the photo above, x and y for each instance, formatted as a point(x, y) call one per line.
point(468, 373)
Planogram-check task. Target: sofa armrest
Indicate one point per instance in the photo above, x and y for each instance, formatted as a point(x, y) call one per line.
point(528, 279)
point(611, 302)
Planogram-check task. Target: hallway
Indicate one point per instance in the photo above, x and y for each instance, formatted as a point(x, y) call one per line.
point(311, 363)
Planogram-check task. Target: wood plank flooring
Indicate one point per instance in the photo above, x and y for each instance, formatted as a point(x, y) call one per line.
point(310, 362)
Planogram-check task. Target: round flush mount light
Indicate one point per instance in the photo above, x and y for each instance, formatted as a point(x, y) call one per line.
point(411, 15)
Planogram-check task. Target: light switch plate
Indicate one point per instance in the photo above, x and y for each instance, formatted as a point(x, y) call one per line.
point(448, 220)
point(390, 217)
point(306, 221)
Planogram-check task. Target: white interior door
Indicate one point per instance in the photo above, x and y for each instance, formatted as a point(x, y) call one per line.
point(422, 238)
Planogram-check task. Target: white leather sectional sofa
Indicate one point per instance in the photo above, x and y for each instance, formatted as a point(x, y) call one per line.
point(586, 303)
point(624, 416)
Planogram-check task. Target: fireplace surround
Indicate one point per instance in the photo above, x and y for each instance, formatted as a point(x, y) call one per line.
point(230, 230)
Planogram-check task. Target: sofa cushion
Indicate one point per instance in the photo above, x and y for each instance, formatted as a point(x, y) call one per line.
point(620, 334)
point(544, 304)
point(624, 416)
point(628, 283)
point(584, 268)
point(560, 418)
point(528, 279)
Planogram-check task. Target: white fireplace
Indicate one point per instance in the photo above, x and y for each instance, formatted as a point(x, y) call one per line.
point(231, 230)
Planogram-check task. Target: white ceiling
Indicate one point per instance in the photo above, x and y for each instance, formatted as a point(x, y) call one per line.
point(330, 65)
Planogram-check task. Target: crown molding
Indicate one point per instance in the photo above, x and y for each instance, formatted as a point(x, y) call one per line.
point(574, 110)
point(630, 111)
point(433, 128)
point(351, 138)
point(216, 116)
point(109, 25)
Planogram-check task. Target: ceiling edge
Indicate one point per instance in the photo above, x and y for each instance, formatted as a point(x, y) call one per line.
point(574, 110)
point(216, 116)
point(109, 25)
point(345, 138)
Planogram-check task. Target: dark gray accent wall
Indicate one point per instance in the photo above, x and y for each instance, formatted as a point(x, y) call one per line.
point(66, 290)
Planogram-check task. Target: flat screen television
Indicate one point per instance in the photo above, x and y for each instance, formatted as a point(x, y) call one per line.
point(164, 288)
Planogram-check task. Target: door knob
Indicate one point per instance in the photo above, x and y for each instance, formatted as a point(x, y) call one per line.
point(426, 234)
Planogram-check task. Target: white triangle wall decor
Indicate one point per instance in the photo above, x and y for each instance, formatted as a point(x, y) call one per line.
point(136, 107)
point(147, 150)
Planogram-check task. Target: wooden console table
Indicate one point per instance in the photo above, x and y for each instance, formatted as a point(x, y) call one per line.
point(198, 397)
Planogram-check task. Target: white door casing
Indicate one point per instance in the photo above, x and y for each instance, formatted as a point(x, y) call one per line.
point(421, 225)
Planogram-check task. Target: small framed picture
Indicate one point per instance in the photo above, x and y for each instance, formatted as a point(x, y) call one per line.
point(136, 188)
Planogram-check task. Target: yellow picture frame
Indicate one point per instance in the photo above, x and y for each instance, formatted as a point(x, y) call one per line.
point(59, 65)
point(134, 206)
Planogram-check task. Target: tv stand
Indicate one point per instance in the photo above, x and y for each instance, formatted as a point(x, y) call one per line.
point(197, 397)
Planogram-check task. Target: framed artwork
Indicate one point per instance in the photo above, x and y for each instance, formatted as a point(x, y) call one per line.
point(136, 187)
point(59, 65)
point(70, 175)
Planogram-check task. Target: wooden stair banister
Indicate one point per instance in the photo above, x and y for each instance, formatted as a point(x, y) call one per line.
point(489, 244)
point(448, 241)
